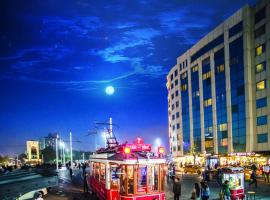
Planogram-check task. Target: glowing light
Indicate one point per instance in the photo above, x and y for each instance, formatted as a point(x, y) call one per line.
point(161, 150)
point(109, 90)
point(127, 150)
point(158, 141)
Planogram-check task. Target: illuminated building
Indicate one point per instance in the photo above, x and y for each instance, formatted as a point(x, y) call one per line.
point(219, 93)
point(33, 154)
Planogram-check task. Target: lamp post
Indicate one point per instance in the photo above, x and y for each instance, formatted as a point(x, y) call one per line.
point(62, 144)
point(70, 144)
point(56, 151)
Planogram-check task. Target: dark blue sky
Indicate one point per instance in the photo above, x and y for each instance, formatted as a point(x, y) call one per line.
point(57, 57)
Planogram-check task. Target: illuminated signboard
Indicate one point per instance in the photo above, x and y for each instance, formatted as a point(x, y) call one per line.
point(139, 146)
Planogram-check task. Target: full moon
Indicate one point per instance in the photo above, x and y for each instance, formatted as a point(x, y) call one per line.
point(109, 90)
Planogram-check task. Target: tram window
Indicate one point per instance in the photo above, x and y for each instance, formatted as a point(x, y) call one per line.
point(152, 174)
point(123, 180)
point(102, 172)
point(96, 165)
point(142, 175)
point(115, 171)
point(130, 175)
point(162, 176)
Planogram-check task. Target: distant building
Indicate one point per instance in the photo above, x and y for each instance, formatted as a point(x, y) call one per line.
point(33, 153)
point(218, 92)
point(47, 141)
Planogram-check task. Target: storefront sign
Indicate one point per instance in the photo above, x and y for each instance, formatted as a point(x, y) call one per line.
point(242, 154)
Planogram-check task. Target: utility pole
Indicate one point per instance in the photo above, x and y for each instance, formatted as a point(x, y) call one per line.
point(17, 161)
point(56, 150)
point(70, 143)
point(64, 157)
point(83, 157)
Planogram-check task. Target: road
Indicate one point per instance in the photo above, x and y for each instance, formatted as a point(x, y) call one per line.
point(72, 189)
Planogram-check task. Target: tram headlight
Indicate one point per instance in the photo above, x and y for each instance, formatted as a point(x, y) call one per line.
point(127, 150)
point(161, 150)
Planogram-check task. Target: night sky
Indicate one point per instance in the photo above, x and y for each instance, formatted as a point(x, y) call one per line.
point(57, 58)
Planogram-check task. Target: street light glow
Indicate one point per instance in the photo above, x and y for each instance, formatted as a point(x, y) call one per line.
point(109, 90)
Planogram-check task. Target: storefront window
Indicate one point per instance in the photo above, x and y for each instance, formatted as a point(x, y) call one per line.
point(142, 175)
point(102, 172)
point(152, 175)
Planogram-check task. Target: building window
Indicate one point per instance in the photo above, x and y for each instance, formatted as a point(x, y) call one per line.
point(184, 87)
point(173, 117)
point(177, 115)
point(260, 103)
point(220, 68)
point(184, 75)
point(237, 28)
point(206, 75)
point(195, 68)
point(172, 96)
point(176, 93)
point(172, 86)
point(223, 127)
point(173, 107)
point(259, 31)
point(262, 120)
point(175, 73)
point(174, 149)
point(171, 77)
point(262, 138)
point(259, 15)
point(176, 82)
point(260, 85)
point(177, 125)
point(207, 102)
point(260, 67)
point(173, 127)
point(177, 104)
point(260, 50)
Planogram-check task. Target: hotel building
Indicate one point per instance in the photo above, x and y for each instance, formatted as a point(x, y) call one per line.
point(219, 90)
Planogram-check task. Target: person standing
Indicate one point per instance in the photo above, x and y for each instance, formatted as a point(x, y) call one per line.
point(177, 188)
point(70, 172)
point(266, 172)
point(85, 185)
point(205, 191)
point(254, 178)
point(196, 192)
point(226, 190)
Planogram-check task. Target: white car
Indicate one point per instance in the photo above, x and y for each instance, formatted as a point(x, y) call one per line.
point(33, 194)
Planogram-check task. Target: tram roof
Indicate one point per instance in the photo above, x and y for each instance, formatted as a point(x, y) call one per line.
point(132, 158)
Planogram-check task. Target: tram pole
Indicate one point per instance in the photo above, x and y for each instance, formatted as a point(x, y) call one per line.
point(110, 127)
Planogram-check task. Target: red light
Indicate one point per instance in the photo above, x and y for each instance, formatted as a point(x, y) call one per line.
point(139, 141)
point(161, 150)
point(127, 150)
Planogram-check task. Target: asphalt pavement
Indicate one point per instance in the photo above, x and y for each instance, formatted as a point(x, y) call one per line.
point(72, 189)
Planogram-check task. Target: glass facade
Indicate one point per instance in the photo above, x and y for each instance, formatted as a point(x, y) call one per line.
point(185, 112)
point(207, 99)
point(238, 95)
point(196, 108)
point(221, 105)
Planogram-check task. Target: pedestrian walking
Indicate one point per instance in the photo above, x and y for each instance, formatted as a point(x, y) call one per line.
point(226, 190)
point(85, 185)
point(196, 192)
point(253, 178)
point(266, 172)
point(70, 172)
point(205, 191)
point(177, 188)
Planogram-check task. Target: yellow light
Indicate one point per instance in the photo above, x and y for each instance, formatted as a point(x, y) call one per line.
point(259, 68)
point(127, 150)
point(259, 50)
point(260, 85)
point(161, 150)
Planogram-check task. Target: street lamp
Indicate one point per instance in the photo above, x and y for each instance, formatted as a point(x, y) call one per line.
point(56, 151)
point(62, 144)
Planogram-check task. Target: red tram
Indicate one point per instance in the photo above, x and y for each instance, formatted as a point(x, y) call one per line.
point(128, 172)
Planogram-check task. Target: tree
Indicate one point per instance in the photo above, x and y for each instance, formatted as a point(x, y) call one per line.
point(48, 155)
point(22, 157)
point(3, 159)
